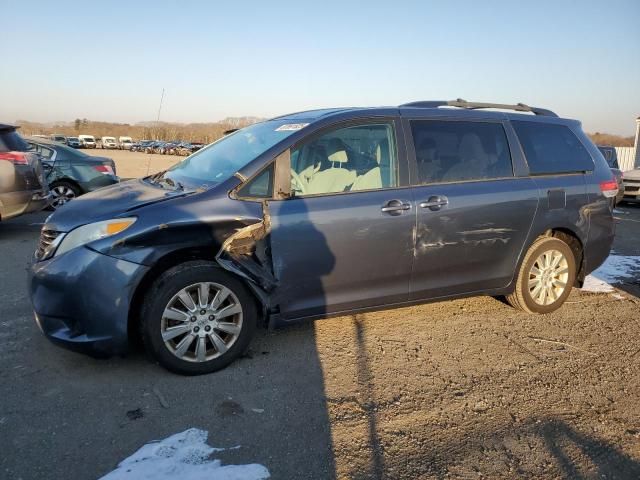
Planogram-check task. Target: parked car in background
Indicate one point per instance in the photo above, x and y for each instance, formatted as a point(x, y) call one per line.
point(611, 156)
point(57, 137)
point(141, 145)
point(87, 141)
point(108, 142)
point(124, 143)
point(71, 173)
point(324, 213)
point(187, 148)
point(73, 142)
point(632, 185)
point(23, 187)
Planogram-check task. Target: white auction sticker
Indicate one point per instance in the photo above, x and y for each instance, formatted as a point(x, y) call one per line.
point(291, 126)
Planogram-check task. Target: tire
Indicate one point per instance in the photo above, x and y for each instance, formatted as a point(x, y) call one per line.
point(525, 296)
point(63, 192)
point(188, 327)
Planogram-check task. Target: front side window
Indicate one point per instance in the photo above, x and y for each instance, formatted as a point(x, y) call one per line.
point(361, 157)
point(261, 186)
point(454, 151)
point(552, 149)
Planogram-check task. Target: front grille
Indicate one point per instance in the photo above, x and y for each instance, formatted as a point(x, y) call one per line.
point(47, 237)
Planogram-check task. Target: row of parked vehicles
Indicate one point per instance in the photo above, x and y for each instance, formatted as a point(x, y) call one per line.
point(175, 147)
point(89, 141)
point(166, 148)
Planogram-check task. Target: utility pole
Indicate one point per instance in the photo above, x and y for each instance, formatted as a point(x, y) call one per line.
point(157, 128)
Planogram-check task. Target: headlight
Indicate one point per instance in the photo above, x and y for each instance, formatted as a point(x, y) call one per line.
point(93, 231)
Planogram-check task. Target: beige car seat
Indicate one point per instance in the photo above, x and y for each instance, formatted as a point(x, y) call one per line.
point(333, 179)
point(473, 160)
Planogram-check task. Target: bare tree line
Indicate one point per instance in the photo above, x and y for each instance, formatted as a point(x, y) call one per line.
point(190, 132)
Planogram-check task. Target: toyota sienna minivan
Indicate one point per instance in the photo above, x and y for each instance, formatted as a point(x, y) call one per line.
point(324, 213)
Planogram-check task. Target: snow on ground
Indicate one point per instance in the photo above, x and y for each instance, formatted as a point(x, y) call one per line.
point(616, 268)
point(183, 456)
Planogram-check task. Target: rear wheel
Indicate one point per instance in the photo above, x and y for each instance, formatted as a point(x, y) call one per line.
point(197, 318)
point(63, 192)
point(546, 277)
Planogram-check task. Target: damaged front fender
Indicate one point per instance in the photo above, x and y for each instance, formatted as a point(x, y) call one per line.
point(247, 253)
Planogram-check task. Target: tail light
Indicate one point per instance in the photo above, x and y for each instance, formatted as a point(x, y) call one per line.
point(105, 169)
point(609, 188)
point(17, 158)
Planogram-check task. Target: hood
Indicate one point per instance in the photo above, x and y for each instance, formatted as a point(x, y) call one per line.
point(632, 174)
point(109, 202)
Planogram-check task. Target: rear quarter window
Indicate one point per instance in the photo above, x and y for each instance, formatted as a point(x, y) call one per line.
point(552, 149)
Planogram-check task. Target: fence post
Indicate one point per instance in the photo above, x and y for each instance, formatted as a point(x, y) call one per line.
point(636, 145)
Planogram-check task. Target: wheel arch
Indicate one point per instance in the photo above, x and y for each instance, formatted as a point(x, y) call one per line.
point(568, 235)
point(69, 180)
point(164, 263)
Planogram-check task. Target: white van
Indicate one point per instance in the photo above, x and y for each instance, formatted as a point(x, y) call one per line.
point(108, 142)
point(87, 141)
point(124, 143)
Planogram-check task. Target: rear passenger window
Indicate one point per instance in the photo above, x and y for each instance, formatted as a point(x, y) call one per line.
point(452, 151)
point(354, 158)
point(552, 149)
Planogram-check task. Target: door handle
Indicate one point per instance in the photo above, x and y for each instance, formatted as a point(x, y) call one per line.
point(435, 202)
point(395, 207)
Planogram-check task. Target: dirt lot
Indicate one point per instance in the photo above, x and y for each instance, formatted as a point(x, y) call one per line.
point(459, 389)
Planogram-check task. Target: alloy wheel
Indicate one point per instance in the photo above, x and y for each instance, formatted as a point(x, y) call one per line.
point(548, 277)
point(61, 195)
point(201, 322)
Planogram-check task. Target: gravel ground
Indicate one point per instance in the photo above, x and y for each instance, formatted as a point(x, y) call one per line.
point(459, 389)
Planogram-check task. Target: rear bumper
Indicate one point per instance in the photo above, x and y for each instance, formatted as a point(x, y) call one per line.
point(18, 203)
point(81, 300)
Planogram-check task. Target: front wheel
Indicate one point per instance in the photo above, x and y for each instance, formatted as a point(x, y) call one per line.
point(197, 318)
point(546, 277)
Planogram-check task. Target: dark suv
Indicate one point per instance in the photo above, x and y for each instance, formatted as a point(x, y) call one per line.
point(324, 213)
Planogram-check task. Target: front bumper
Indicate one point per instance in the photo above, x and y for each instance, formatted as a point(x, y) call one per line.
point(81, 300)
point(631, 190)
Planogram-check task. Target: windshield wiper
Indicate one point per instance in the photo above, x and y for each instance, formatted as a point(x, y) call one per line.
point(172, 183)
point(160, 180)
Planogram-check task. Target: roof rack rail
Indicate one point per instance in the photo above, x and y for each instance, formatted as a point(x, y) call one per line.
point(460, 103)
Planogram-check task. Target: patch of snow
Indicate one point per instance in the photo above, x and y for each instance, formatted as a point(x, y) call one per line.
point(183, 456)
point(615, 210)
point(614, 269)
point(617, 296)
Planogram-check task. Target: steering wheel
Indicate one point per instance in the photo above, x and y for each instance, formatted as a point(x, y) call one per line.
point(298, 181)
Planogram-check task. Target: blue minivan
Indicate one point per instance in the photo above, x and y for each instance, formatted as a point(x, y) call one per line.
point(323, 213)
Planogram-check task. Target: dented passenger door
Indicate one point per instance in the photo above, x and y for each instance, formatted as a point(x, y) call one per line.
point(474, 210)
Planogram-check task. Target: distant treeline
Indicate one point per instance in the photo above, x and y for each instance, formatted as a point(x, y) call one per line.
point(612, 140)
point(190, 132)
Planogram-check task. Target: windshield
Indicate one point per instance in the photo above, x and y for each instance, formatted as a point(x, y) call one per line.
point(220, 160)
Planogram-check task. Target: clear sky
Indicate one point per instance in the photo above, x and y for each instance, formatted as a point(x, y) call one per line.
point(110, 60)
